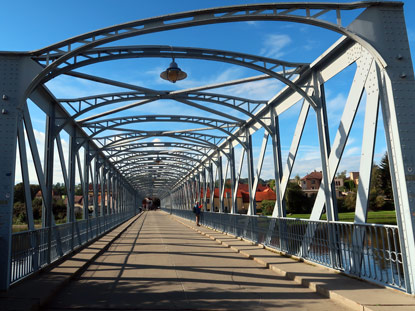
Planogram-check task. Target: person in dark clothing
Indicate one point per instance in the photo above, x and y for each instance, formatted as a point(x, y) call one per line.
point(196, 210)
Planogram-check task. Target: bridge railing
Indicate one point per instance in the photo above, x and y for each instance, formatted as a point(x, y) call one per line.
point(367, 251)
point(30, 248)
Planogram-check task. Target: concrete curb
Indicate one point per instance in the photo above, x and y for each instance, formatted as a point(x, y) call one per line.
point(316, 286)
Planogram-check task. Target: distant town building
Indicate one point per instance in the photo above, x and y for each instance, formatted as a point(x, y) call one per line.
point(242, 197)
point(310, 183)
point(354, 176)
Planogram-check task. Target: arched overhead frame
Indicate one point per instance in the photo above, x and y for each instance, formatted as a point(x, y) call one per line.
point(115, 161)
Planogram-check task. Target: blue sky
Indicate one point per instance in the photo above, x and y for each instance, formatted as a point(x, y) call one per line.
point(31, 25)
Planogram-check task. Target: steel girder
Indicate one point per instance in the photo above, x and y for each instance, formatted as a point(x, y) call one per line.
point(85, 104)
point(121, 139)
point(274, 12)
point(385, 75)
point(279, 69)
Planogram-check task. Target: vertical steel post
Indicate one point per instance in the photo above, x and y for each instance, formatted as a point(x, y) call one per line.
point(103, 182)
point(233, 208)
point(109, 192)
point(212, 188)
point(70, 211)
point(327, 185)
point(324, 139)
point(250, 161)
point(388, 36)
point(48, 164)
point(86, 188)
point(9, 104)
point(219, 164)
point(276, 153)
point(204, 186)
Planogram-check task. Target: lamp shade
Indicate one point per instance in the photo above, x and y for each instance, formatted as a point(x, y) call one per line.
point(173, 73)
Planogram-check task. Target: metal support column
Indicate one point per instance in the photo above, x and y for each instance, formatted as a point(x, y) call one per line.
point(47, 221)
point(279, 208)
point(233, 209)
point(9, 103)
point(397, 94)
point(250, 160)
point(211, 187)
point(219, 165)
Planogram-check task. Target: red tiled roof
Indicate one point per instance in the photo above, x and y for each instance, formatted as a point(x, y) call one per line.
point(263, 193)
point(267, 194)
point(313, 175)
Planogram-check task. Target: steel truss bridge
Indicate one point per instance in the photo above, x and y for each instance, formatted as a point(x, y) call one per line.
point(114, 156)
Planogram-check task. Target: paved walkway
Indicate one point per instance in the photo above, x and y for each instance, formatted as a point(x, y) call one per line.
point(161, 262)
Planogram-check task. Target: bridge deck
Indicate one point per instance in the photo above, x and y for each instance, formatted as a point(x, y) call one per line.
point(164, 263)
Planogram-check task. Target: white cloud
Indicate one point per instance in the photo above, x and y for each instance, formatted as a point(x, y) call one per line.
point(337, 103)
point(40, 143)
point(352, 151)
point(262, 90)
point(274, 45)
point(253, 23)
point(226, 75)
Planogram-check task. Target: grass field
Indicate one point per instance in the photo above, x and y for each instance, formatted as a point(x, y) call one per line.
point(19, 228)
point(381, 217)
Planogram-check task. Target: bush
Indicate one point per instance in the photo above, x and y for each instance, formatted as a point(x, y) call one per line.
point(297, 201)
point(19, 213)
point(267, 206)
point(59, 209)
point(37, 208)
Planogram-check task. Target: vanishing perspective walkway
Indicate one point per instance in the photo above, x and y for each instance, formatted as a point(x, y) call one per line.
point(160, 262)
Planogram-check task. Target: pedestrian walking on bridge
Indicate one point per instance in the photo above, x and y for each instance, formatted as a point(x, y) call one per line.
point(196, 210)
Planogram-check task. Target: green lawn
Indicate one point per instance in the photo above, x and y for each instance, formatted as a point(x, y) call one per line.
point(19, 228)
point(381, 217)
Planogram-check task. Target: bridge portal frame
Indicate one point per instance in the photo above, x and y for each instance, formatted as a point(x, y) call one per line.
point(389, 78)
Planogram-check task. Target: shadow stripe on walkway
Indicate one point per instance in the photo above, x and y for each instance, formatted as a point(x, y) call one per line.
point(152, 267)
point(38, 289)
point(353, 293)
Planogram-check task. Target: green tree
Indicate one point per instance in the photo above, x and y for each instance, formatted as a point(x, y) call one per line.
point(349, 185)
point(297, 201)
point(267, 206)
point(384, 177)
point(381, 194)
point(342, 175)
point(19, 193)
point(37, 208)
point(271, 184)
point(79, 190)
point(350, 202)
point(59, 189)
point(19, 213)
point(59, 209)
point(33, 190)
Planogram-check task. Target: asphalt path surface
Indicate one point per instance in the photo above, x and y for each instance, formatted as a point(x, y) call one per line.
point(160, 264)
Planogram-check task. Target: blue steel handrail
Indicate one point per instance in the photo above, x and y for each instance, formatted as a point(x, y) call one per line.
point(29, 248)
point(368, 251)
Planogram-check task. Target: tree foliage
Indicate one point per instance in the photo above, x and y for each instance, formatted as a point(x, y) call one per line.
point(19, 195)
point(384, 178)
point(297, 201)
point(267, 207)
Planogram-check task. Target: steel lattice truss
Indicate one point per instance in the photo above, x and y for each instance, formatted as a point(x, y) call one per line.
point(111, 149)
